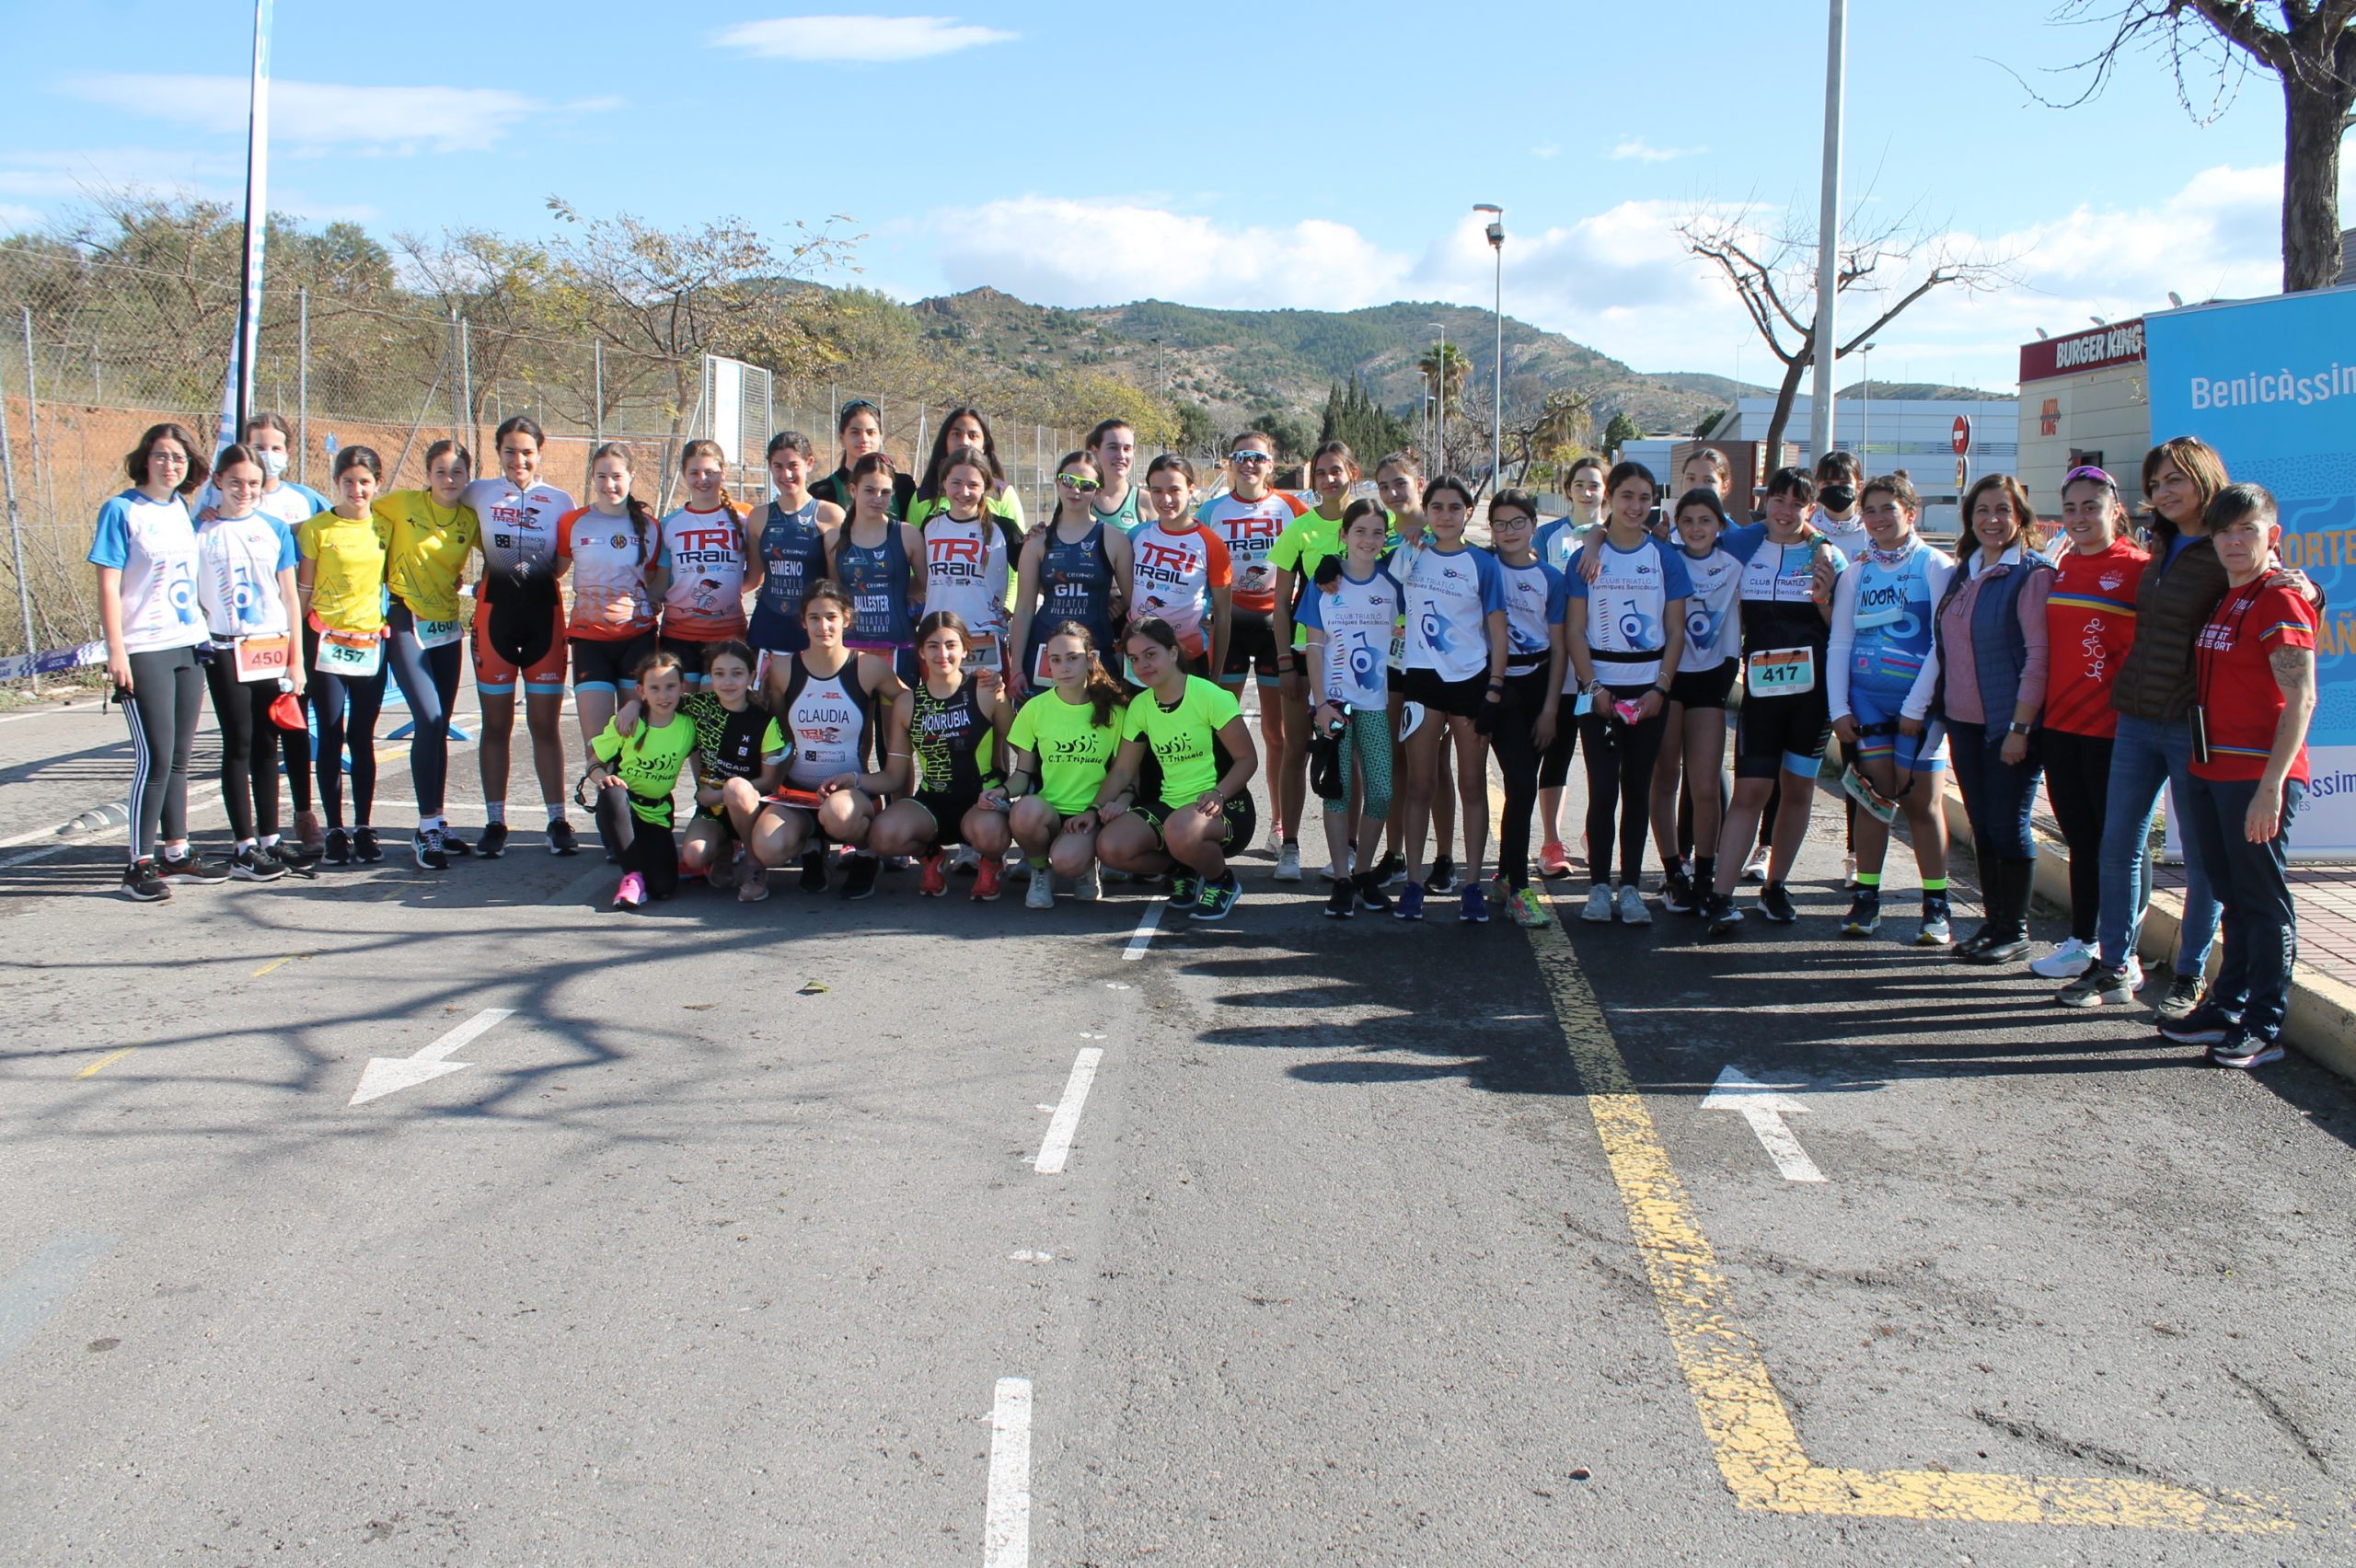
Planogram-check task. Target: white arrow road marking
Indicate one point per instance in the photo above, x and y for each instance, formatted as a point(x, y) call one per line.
point(1006, 1515)
point(1763, 1106)
point(389, 1075)
point(1057, 1148)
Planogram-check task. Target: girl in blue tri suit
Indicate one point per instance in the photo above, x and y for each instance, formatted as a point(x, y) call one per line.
point(1075, 569)
point(797, 534)
point(879, 561)
point(1883, 669)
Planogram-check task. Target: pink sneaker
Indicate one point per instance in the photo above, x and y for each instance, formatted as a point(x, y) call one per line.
point(631, 894)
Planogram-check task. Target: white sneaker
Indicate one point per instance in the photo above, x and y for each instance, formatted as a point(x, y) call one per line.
point(967, 858)
point(1633, 911)
point(2134, 973)
point(1755, 869)
point(1043, 890)
point(1089, 888)
point(2067, 962)
point(1848, 870)
point(1287, 862)
point(1599, 905)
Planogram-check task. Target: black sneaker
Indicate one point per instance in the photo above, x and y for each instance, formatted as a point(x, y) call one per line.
point(2098, 988)
point(2244, 1050)
point(1371, 893)
point(454, 846)
point(294, 855)
point(1185, 888)
point(562, 840)
point(1775, 904)
point(1342, 903)
point(338, 851)
point(365, 847)
point(1217, 899)
point(1677, 894)
point(255, 864)
point(493, 842)
point(193, 868)
point(1442, 880)
point(1723, 918)
point(813, 871)
point(2207, 1024)
point(2182, 1001)
point(1390, 870)
point(141, 883)
point(1864, 913)
point(859, 881)
point(426, 844)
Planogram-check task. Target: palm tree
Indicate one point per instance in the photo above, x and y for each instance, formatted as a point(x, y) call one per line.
point(1457, 368)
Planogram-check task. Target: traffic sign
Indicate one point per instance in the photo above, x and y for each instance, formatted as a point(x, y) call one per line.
point(1961, 440)
point(329, 442)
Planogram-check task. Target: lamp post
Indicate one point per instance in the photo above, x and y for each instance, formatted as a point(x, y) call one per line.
point(1496, 232)
point(1828, 236)
point(1439, 376)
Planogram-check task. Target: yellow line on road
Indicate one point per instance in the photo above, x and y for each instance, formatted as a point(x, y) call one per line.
point(106, 1061)
point(279, 964)
point(1750, 1433)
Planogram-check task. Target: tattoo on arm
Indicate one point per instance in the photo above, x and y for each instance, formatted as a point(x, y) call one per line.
point(2294, 670)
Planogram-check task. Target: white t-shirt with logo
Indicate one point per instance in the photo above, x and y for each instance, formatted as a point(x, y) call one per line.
point(1357, 618)
point(239, 561)
point(153, 544)
point(1627, 609)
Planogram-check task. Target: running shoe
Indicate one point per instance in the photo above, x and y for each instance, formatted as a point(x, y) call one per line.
point(1552, 862)
point(1476, 911)
point(1775, 903)
point(1633, 911)
point(454, 846)
point(2207, 1024)
point(935, 882)
point(1343, 902)
point(1288, 863)
point(2067, 962)
point(1184, 887)
point(986, 879)
point(1755, 869)
point(1599, 903)
point(1723, 917)
point(365, 847)
point(191, 868)
point(1529, 910)
point(859, 881)
point(2184, 995)
point(1864, 913)
point(1090, 886)
point(337, 851)
point(562, 840)
point(2244, 1050)
point(493, 842)
point(1410, 905)
point(254, 864)
point(426, 844)
point(1390, 870)
point(2098, 988)
point(813, 870)
point(967, 862)
point(1041, 894)
point(1371, 893)
point(1677, 891)
point(1442, 880)
point(754, 886)
point(141, 883)
point(283, 853)
point(1937, 930)
point(631, 894)
point(1217, 899)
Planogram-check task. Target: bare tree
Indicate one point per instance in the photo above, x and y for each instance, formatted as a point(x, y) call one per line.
point(1773, 273)
point(2310, 45)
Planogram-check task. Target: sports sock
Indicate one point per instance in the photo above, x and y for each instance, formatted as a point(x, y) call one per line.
point(1870, 881)
point(494, 812)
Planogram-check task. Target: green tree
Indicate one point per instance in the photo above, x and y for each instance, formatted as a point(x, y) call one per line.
point(1620, 432)
point(1353, 418)
point(1197, 431)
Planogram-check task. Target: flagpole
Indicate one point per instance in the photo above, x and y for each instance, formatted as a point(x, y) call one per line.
point(238, 391)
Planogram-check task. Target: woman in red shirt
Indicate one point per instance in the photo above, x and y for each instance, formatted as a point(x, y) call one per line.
point(2089, 625)
point(2254, 691)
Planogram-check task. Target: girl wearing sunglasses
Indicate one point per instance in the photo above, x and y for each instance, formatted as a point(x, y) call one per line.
point(1075, 569)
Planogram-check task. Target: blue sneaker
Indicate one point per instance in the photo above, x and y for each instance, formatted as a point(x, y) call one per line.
point(1410, 903)
point(1476, 905)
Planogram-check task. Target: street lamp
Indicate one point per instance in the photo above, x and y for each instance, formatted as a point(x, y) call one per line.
point(1439, 375)
point(1497, 408)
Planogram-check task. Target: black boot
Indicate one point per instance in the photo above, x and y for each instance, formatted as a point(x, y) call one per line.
point(2007, 929)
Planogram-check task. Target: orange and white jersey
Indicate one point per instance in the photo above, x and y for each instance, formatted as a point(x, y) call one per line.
point(1249, 530)
point(519, 527)
point(1172, 576)
point(706, 550)
point(965, 570)
point(611, 564)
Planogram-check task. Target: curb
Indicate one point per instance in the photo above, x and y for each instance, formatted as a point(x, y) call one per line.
point(2321, 1024)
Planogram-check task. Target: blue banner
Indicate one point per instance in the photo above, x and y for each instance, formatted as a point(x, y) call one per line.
point(2271, 385)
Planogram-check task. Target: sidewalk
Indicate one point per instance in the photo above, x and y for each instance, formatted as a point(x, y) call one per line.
point(2322, 1022)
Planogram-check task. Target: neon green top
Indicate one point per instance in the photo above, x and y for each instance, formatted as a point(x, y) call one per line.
point(1307, 540)
point(1185, 738)
point(648, 761)
point(1074, 752)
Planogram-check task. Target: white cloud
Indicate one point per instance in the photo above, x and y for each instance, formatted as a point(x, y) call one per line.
point(1547, 149)
point(1637, 148)
point(862, 39)
point(315, 116)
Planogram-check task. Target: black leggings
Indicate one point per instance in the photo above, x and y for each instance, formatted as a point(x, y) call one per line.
point(251, 747)
point(1620, 758)
point(1554, 766)
point(165, 701)
point(2077, 780)
point(428, 678)
point(331, 696)
point(1517, 760)
point(645, 848)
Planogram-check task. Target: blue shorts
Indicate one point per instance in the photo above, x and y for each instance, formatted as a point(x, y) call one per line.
point(1880, 740)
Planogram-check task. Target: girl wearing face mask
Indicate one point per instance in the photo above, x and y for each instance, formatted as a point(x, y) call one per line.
point(246, 582)
point(859, 431)
point(342, 582)
point(429, 534)
point(797, 537)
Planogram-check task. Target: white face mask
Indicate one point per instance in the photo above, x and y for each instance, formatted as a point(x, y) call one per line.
point(273, 464)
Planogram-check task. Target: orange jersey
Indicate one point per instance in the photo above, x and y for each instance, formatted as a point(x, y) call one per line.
point(705, 551)
point(611, 564)
point(1173, 576)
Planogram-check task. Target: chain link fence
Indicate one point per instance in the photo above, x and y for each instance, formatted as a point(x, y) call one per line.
point(92, 353)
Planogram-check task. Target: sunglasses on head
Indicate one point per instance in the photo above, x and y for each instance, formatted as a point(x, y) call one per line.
point(1074, 481)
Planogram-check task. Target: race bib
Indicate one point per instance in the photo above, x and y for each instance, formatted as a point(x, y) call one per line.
point(353, 657)
point(261, 658)
point(438, 634)
point(1779, 672)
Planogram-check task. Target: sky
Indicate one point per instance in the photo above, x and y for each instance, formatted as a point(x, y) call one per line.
point(1315, 154)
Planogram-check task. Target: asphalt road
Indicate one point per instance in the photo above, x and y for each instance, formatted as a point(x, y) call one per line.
point(1374, 1243)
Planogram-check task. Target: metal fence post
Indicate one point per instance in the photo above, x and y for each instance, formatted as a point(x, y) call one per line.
point(469, 434)
point(15, 531)
point(597, 376)
point(32, 420)
point(458, 376)
point(303, 386)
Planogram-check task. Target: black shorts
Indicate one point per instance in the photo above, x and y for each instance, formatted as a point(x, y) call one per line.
point(948, 808)
point(1251, 639)
point(1704, 688)
point(1242, 819)
point(1461, 698)
point(691, 653)
point(611, 664)
point(1773, 732)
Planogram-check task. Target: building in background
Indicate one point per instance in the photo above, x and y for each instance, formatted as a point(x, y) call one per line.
point(2086, 398)
point(1917, 434)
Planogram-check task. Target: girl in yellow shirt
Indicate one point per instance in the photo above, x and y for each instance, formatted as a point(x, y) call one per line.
point(431, 532)
point(341, 579)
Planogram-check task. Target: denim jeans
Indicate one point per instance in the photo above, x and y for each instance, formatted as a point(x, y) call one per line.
point(2145, 756)
point(2252, 883)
